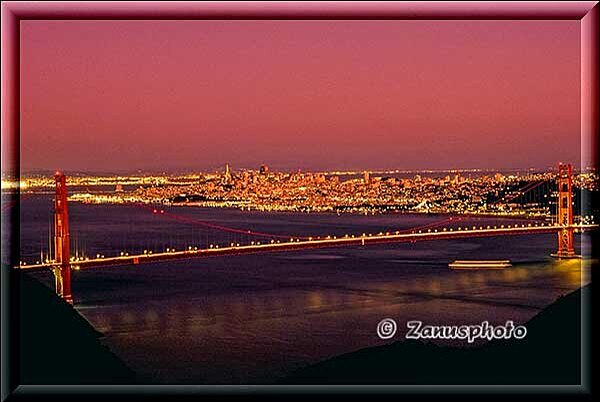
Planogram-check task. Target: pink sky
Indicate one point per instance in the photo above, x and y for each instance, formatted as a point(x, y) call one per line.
point(126, 95)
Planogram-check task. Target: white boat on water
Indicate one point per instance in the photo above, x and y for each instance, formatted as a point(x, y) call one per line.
point(480, 264)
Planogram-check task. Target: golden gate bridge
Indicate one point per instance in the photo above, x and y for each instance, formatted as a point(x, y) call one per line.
point(262, 242)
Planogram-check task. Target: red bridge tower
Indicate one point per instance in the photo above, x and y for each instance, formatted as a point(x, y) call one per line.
point(62, 245)
point(564, 212)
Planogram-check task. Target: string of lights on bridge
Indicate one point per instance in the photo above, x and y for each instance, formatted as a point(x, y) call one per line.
point(276, 239)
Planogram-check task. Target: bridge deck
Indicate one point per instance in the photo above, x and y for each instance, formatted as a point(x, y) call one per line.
point(297, 244)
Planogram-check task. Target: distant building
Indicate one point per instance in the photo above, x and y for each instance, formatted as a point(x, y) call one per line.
point(227, 178)
point(264, 169)
point(367, 177)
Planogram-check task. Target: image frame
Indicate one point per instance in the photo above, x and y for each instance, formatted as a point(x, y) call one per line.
point(15, 12)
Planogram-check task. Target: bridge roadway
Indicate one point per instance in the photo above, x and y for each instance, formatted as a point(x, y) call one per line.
point(329, 241)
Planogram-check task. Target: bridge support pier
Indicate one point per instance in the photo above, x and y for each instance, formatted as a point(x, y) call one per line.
point(62, 283)
point(62, 244)
point(564, 212)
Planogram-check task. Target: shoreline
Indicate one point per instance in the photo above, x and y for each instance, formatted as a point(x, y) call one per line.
point(331, 210)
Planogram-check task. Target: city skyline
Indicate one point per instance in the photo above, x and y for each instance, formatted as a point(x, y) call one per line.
point(309, 95)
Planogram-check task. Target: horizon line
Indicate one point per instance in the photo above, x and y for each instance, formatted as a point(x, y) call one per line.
point(171, 170)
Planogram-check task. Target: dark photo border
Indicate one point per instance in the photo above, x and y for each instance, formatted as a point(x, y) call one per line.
point(13, 13)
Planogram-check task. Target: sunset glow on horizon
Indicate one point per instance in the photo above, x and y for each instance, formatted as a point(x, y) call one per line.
point(310, 95)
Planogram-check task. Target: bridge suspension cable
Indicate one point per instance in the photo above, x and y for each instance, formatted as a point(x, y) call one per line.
point(195, 221)
point(521, 191)
point(198, 222)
